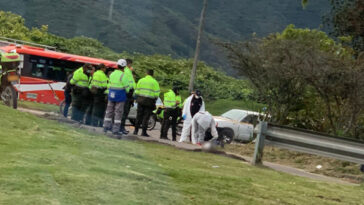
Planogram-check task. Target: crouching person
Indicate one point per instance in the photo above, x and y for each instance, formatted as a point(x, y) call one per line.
point(118, 87)
point(201, 122)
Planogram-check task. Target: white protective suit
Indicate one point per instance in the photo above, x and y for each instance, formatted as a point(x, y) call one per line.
point(186, 130)
point(201, 122)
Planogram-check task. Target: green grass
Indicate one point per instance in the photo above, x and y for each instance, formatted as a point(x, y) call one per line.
point(330, 167)
point(43, 162)
point(218, 107)
point(38, 106)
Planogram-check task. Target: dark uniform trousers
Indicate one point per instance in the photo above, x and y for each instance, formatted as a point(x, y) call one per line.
point(67, 102)
point(79, 103)
point(127, 106)
point(89, 109)
point(98, 108)
point(145, 110)
point(169, 119)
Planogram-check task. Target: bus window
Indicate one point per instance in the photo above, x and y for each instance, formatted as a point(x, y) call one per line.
point(47, 68)
point(38, 70)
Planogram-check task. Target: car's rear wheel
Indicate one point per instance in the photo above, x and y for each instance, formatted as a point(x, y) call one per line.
point(227, 136)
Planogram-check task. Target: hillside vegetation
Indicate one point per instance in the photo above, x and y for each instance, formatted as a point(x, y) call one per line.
point(168, 71)
point(310, 81)
point(167, 26)
point(43, 162)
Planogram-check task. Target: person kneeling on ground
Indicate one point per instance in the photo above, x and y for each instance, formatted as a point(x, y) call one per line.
point(201, 122)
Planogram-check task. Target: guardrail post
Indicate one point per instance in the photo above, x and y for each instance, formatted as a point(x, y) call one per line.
point(259, 143)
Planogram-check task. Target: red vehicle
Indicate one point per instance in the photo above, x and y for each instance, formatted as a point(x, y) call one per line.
point(43, 72)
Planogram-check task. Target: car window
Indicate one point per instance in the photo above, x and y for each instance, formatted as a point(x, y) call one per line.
point(234, 115)
point(251, 119)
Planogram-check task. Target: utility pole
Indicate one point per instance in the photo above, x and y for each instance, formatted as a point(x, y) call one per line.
point(197, 51)
point(111, 9)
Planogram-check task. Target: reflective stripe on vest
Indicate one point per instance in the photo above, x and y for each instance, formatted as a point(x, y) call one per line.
point(170, 99)
point(148, 87)
point(179, 99)
point(99, 80)
point(130, 77)
point(117, 81)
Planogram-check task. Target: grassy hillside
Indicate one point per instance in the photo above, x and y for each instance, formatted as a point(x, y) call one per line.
point(166, 26)
point(168, 71)
point(42, 162)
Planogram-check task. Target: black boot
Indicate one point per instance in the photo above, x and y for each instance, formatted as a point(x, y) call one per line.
point(145, 134)
point(135, 132)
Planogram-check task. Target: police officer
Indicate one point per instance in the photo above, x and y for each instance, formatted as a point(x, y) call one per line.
point(130, 99)
point(9, 63)
point(118, 87)
point(147, 92)
point(80, 92)
point(90, 98)
point(170, 114)
point(98, 87)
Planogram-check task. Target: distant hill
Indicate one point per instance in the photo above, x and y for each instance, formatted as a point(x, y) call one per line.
point(166, 26)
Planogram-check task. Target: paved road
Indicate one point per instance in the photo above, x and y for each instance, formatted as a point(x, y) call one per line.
point(187, 146)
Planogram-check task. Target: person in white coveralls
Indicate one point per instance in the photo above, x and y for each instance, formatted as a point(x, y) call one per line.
point(192, 105)
point(202, 122)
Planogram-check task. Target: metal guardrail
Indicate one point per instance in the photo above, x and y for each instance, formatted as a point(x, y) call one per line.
point(307, 142)
point(7, 41)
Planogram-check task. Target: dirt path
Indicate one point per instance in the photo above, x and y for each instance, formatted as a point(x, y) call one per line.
point(187, 146)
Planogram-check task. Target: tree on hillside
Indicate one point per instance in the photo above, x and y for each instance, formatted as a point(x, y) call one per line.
point(346, 21)
point(306, 79)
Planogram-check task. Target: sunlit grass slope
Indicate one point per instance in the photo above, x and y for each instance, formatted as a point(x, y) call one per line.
point(43, 162)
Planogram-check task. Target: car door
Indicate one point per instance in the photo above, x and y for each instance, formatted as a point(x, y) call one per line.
point(246, 127)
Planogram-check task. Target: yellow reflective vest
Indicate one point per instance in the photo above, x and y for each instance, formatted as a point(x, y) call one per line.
point(170, 100)
point(118, 81)
point(80, 79)
point(99, 80)
point(179, 100)
point(130, 77)
point(147, 87)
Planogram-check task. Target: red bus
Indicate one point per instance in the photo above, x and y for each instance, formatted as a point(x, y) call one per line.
point(43, 72)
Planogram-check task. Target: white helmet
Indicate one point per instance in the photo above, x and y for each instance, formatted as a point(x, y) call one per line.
point(122, 62)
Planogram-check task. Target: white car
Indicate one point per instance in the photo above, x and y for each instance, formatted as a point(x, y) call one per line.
point(237, 125)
